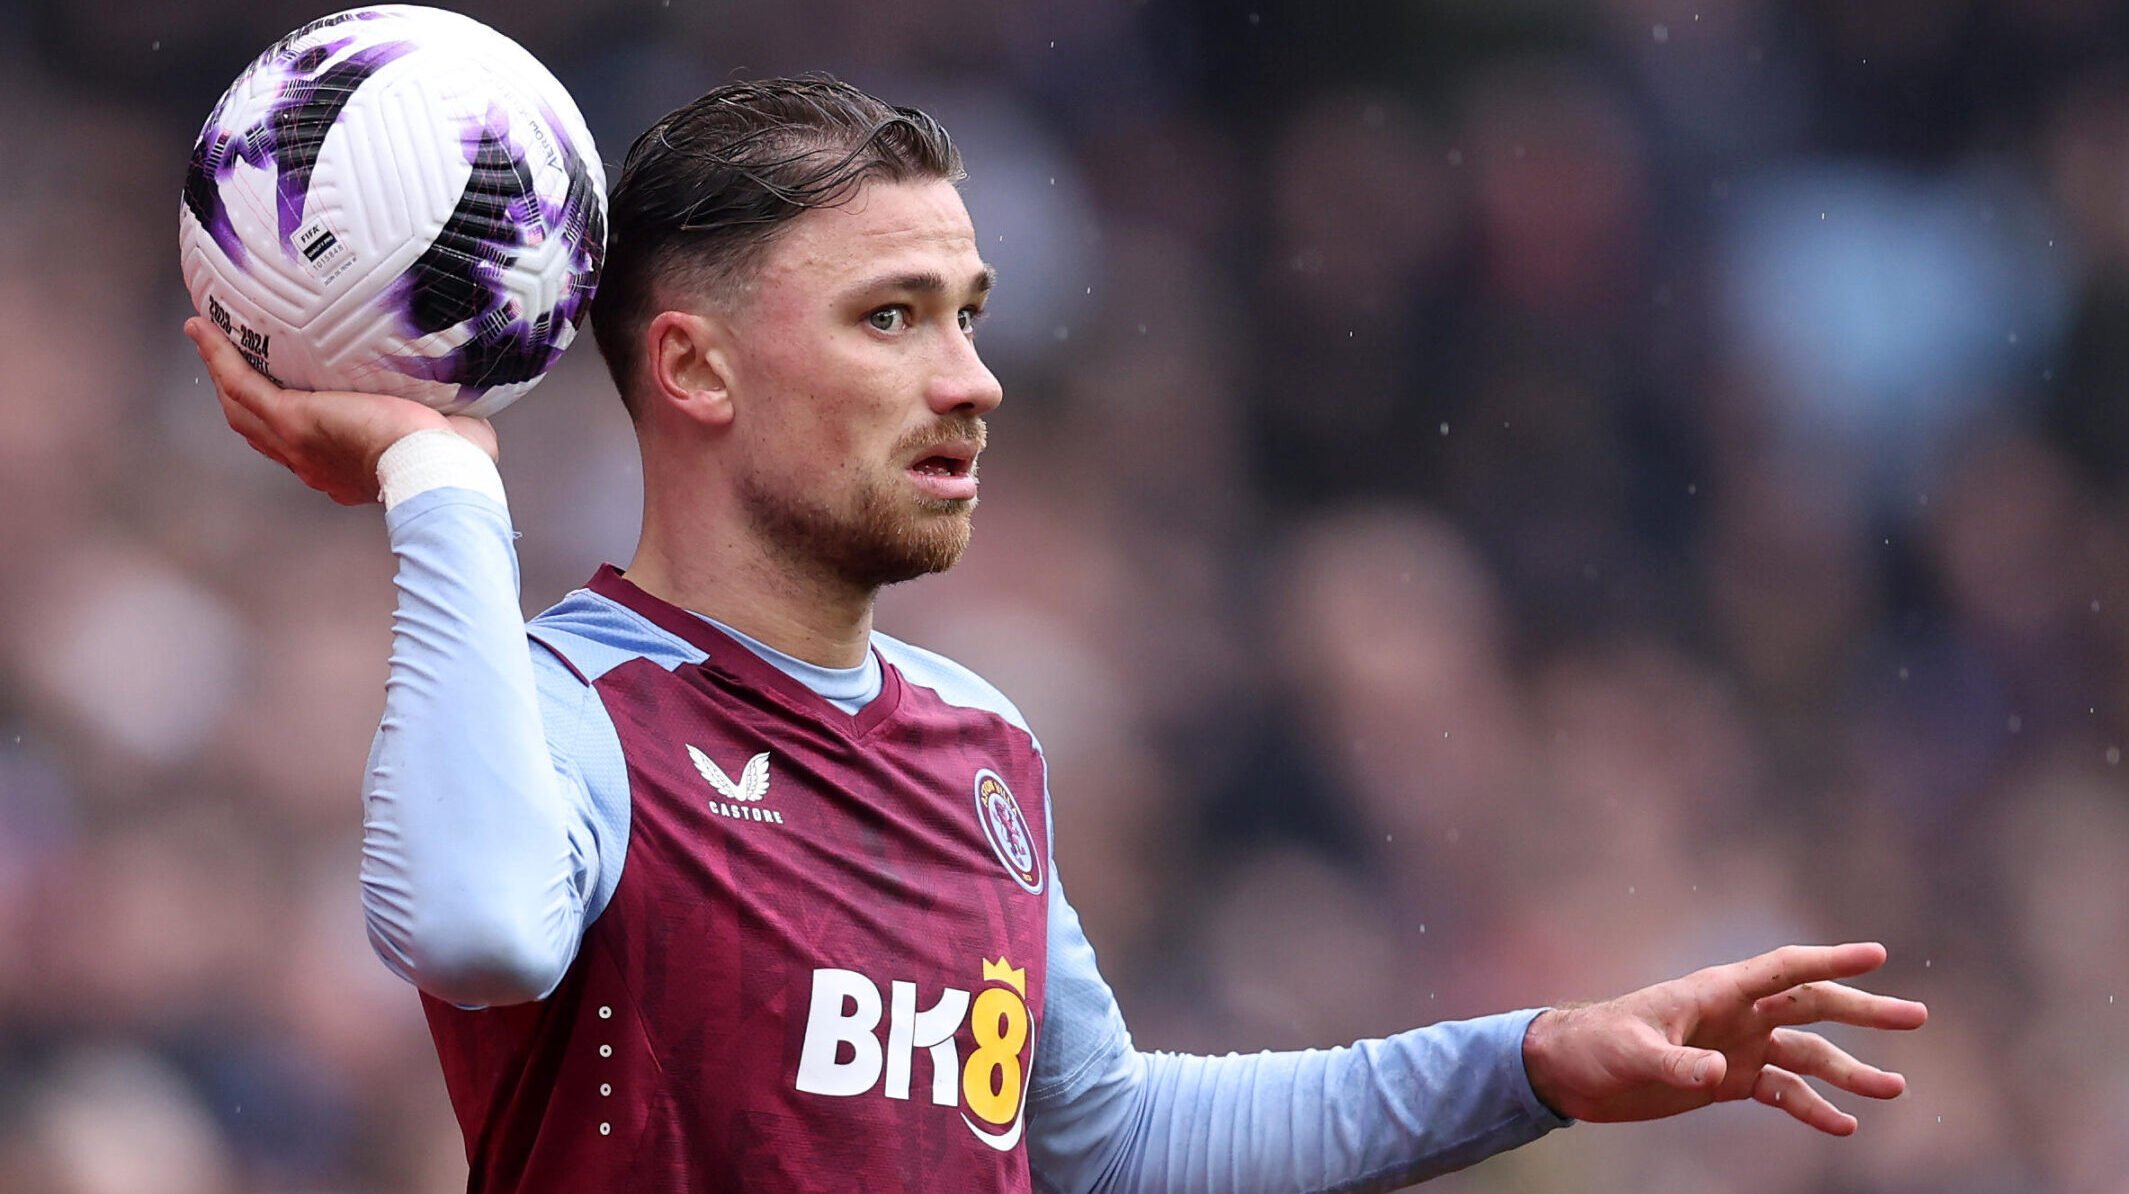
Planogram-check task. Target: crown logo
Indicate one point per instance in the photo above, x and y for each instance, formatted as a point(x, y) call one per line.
point(1001, 971)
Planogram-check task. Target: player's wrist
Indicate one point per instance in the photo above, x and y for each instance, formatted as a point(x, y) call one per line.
point(1541, 1040)
point(435, 458)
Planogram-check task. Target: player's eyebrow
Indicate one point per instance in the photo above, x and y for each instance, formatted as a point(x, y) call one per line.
point(927, 282)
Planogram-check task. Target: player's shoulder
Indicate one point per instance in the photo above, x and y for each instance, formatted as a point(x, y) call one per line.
point(952, 682)
point(591, 635)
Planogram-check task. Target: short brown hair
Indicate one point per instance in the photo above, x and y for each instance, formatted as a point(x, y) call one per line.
point(704, 191)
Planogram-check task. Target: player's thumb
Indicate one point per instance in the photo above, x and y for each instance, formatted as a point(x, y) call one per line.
point(1694, 1069)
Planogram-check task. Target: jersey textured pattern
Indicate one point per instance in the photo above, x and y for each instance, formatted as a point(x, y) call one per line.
point(823, 965)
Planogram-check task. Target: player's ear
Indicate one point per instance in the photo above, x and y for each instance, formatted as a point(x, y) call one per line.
point(690, 365)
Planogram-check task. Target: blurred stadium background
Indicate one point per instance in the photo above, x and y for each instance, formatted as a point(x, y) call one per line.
point(1499, 501)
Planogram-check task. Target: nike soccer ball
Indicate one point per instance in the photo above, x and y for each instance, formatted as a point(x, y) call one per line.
point(398, 200)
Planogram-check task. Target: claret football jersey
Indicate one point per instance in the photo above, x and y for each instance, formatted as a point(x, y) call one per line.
point(822, 964)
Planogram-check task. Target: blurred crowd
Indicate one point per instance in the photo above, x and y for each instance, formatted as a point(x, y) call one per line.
point(1496, 504)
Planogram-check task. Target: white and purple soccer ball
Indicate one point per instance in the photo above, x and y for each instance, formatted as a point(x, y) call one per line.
point(398, 200)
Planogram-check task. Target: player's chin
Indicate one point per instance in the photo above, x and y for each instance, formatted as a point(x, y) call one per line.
point(938, 538)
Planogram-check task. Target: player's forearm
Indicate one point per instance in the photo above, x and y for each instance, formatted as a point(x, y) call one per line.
point(1376, 1115)
point(471, 884)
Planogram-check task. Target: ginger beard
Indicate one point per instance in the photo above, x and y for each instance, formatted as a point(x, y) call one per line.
point(883, 532)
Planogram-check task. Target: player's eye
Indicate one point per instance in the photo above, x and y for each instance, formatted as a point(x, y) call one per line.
point(969, 317)
point(889, 319)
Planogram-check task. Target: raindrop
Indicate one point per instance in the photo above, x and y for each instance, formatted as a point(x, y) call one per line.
point(1256, 18)
point(1925, 963)
point(1445, 429)
point(1422, 930)
point(2114, 756)
point(1903, 673)
point(155, 45)
point(1662, 34)
point(1062, 333)
point(2095, 605)
point(1630, 889)
point(1456, 157)
point(1692, 490)
point(1142, 329)
point(2017, 723)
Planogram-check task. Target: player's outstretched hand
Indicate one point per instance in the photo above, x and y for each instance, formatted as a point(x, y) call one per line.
point(1717, 1035)
point(330, 439)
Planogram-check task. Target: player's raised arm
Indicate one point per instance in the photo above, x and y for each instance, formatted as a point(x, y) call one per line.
point(1718, 1035)
point(479, 857)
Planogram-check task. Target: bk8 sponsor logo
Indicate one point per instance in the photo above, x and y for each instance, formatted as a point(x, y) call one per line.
point(843, 1055)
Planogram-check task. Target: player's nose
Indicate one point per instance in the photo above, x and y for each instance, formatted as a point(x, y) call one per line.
point(964, 384)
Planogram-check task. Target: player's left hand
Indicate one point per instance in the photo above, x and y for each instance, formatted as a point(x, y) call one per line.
point(1718, 1035)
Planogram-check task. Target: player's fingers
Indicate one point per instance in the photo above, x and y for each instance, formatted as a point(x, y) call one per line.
point(1784, 1091)
point(249, 425)
point(1812, 1056)
point(232, 374)
point(1813, 1002)
point(1778, 970)
point(1688, 1068)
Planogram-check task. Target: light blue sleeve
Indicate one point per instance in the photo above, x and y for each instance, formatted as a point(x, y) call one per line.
point(491, 831)
point(1375, 1115)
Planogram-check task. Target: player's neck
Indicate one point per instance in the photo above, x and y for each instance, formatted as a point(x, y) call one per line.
point(725, 575)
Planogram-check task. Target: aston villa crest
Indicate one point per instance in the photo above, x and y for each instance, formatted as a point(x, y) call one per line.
point(1007, 831)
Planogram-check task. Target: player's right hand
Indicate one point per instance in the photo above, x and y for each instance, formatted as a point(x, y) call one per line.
point(330, 439)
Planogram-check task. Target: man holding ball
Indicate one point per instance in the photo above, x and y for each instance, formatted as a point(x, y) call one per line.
point(707, 884)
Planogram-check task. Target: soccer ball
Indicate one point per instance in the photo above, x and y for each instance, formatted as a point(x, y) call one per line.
point(398, 200)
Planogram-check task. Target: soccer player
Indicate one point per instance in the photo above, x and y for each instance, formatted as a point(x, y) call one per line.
point(707, 884)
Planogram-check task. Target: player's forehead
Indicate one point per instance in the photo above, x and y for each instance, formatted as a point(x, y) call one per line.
point(887, 229)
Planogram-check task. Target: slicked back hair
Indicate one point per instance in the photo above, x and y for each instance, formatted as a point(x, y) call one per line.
point(705, 190)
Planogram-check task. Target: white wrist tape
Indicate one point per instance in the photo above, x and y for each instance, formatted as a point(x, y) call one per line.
point(436, 459)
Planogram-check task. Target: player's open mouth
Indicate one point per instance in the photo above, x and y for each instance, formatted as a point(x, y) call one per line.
point(948, 472)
